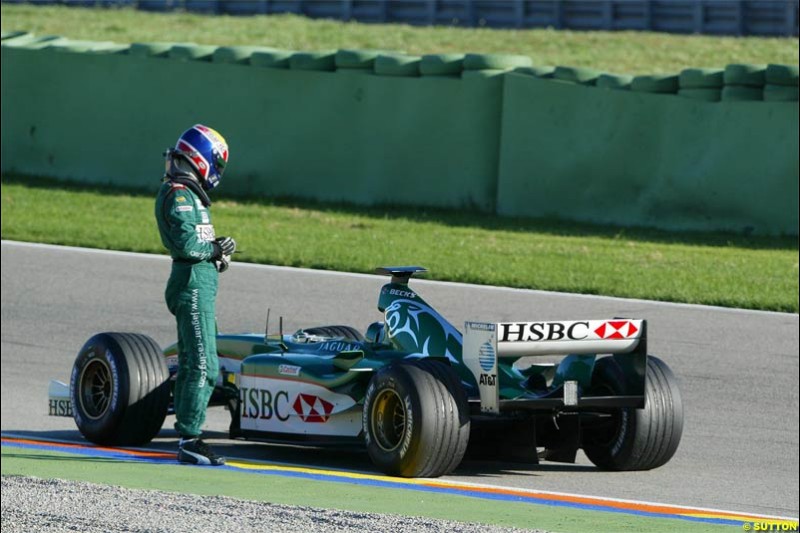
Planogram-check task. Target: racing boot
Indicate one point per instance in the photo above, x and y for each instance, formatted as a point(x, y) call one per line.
point(196, 452)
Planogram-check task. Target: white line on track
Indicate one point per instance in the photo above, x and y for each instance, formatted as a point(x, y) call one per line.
point(315, 272)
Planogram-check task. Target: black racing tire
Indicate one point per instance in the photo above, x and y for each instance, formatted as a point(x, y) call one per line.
point(343, 332)
point(457, 441)
point(120, 389)
point(411, 422)
point(636, 439)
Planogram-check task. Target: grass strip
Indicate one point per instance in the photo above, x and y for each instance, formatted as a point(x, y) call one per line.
point(704, 268)
point(619, 51)
point(330, 495)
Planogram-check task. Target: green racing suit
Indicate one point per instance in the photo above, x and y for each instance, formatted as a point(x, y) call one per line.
point(184, 223)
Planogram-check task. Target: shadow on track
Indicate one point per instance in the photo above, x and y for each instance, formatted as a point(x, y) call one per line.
point(352, 459)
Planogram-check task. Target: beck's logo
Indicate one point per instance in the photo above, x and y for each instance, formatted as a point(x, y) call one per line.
point(312, 408)
point(616, 329)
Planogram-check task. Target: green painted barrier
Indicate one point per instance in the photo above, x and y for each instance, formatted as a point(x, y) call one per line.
point(91, 47)
point(356, 59)
point(32, 42)
point(237, 54)
point(708, 94)
point(614, 81)
point(152, 49)
point(495, 61)
point(397, 65)
point(441, 64)
point(271, 58)
point(658, 83)
point(787, 75)
point(585, 76)
point(323, 60)
point(191, 52)
point(746, 75)
point(106, 119)
point(742, 93)
point(540, 71)
point(630, 158)
point(487, 132)
point(701, 78)
point(780, 93)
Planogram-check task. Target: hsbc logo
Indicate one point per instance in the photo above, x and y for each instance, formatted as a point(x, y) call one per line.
point(586, 330)
point(543, 331)
point(264, 404)
point(311, 408)
point(616, 329)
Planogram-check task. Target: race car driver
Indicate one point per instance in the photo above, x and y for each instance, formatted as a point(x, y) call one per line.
point(182, 210)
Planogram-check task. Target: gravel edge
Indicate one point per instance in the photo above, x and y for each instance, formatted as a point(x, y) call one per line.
point(34, 505)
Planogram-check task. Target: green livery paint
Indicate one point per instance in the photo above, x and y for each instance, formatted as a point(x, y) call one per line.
point(415, 390)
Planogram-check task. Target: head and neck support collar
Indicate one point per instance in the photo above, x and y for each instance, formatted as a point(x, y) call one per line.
point(179, 170)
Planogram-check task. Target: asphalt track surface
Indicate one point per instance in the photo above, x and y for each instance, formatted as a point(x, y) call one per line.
point(738, 370)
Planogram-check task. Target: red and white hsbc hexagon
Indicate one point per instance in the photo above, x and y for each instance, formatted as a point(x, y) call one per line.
point(575, 336)
point(293, 406)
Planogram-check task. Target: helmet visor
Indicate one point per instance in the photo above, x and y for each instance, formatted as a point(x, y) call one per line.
point(220, 163)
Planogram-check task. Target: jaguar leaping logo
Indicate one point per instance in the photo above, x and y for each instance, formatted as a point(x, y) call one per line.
point(418, 328)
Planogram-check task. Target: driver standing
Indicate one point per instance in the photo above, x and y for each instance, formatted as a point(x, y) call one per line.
point(193, 168)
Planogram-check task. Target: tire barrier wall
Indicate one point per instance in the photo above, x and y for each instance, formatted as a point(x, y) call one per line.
point(296, 127)
point(487, 132)
point(641, 158)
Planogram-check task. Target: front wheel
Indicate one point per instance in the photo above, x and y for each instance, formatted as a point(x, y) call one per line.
point(120, 389)
point(414, 419)
point(630, 438)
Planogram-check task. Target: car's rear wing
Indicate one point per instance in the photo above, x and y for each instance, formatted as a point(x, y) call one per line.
point(485, 344)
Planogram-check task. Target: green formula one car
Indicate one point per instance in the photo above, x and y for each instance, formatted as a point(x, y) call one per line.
point(414, 390)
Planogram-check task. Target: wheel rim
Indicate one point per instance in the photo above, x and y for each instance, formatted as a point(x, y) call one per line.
point(388, 420)
point(96, 389)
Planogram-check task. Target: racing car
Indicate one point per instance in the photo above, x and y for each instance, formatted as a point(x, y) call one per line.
point(413, 389)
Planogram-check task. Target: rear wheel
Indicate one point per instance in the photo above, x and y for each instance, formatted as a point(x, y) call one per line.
point(120, 389)
point(458, 437)
point(630, 438)
point(413, 424)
